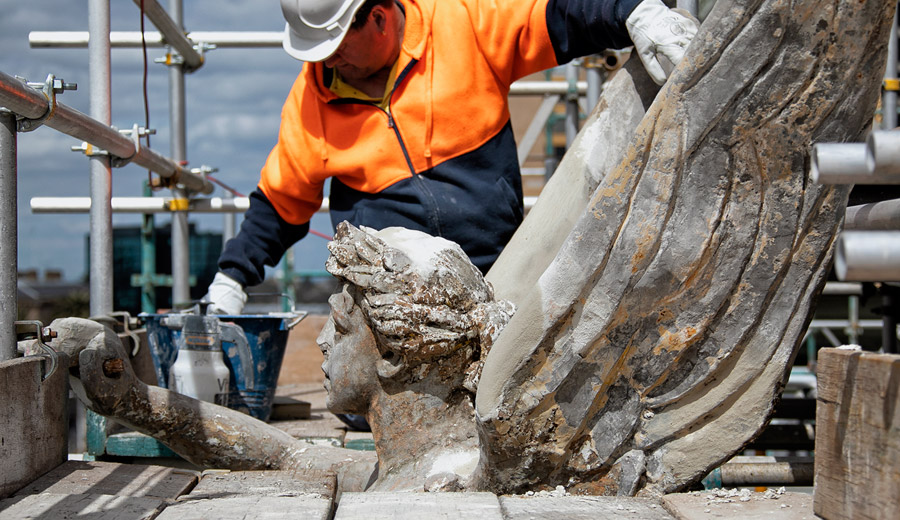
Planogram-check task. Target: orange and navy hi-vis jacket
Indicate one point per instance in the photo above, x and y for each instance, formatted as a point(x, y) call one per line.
point(441, 157)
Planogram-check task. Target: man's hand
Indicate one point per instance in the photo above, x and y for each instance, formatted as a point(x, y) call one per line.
point(226, 296)
point(660, 36)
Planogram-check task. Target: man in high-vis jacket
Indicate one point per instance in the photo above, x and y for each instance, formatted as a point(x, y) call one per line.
point(403, 105)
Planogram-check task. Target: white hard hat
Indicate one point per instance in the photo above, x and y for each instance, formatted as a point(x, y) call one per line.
point(315, 28)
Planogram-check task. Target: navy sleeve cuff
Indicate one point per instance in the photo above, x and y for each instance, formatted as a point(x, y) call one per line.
point(581, 27)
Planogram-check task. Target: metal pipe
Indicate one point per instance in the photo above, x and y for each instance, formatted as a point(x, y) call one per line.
point(883, 215)
point(883, 155)
point(838, 163)
point(144, 205)
point(132, 39)
point(594, 86)
point(572, 110)
point(868, 256)
point(32, 104)
point(539, 88)
point(101, 268)
point(889, 97)
point(181, 259)
point(229, 225)
point(8, 236)
point(148, 258)
point(170, 27)
point(789, 472)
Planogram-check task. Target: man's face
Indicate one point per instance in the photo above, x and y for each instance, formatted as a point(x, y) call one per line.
point(364, 51)
point(350, 354)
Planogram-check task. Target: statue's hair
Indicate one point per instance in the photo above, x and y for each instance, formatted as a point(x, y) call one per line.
point(422, 296)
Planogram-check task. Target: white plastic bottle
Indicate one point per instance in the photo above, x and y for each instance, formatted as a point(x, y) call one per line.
point(200, 374)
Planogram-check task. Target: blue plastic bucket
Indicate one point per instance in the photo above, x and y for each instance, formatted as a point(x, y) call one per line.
point(267, 336)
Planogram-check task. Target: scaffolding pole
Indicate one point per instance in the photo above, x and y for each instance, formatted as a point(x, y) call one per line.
point(8, 236)
point(172, 32)
point(133, 39)
point(32, 104)
point(181, 260)
point(101, 252)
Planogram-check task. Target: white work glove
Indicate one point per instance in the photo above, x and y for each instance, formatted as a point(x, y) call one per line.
point(226, 296)
point(660, 34)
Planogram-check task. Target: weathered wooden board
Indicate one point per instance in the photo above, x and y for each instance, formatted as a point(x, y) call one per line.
point(107, 478)
point(92, 506)
point(249, 507)
point(310, 483)
point(581, 508)
point(717, 504)
point(399, 506)
point(33, 421)
point(285, 408)
point(858, 435)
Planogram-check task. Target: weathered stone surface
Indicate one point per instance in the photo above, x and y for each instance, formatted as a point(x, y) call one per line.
point(652, 347)
point(249, 507)
point(598, 148)
point(203, 433)
point(33, 421)
point(772, 504)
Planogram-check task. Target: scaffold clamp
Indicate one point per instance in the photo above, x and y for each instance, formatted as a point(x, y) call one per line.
point(891, 84)
point(50, 88)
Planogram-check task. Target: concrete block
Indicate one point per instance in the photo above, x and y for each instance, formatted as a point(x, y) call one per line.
point(34, 424)
point(249, 507)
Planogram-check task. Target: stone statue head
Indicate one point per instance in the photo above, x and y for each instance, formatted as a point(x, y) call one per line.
point(412, 308)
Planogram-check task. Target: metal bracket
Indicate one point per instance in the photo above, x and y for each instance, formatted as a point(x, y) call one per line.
point(35, 330)
point(50, 88)
point(891, 84)
point(135, 133)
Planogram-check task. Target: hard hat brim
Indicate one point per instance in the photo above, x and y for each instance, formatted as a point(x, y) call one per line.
point(316, 48)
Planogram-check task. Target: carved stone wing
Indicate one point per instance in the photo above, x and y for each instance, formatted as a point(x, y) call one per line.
point(653, 346)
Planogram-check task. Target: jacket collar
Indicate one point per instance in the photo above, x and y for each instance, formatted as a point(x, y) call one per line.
point(419, 14)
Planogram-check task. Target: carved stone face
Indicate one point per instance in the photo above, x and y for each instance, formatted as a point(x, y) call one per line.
point(350, 354)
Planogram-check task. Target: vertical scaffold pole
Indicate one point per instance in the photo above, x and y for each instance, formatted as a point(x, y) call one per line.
point(8, 236)
point(891, 83)
point(181, 260)
point(101, 253)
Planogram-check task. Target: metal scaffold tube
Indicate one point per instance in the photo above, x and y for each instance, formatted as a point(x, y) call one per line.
point(8, 236)
point(133, 39)
point(32, 104)
point(883, 215)
point(868, 256)
point(170, 27)
point(181, 260)
point(101, 268)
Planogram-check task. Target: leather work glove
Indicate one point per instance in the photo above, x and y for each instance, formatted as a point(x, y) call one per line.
point(660, 36)
point(226, 296)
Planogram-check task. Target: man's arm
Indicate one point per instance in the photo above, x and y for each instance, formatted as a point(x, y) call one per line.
point(262, 240)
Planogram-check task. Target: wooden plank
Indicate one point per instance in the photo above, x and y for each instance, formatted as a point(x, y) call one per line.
point(107, 478)
point(414, 506)
point(249, 507)
point(858, 435)
point(742, 505)
point(310, 483)
point(34, 424)
point(93, 506)
point(520, 507)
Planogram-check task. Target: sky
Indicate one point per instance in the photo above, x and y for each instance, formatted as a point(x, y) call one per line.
point(233, 112)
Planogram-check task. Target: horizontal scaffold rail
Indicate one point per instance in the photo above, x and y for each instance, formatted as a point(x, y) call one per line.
point(29, 103)
point(149, 205)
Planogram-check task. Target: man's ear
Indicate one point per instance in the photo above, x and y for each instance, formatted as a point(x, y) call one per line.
point(379, 18)
point(390, 364)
